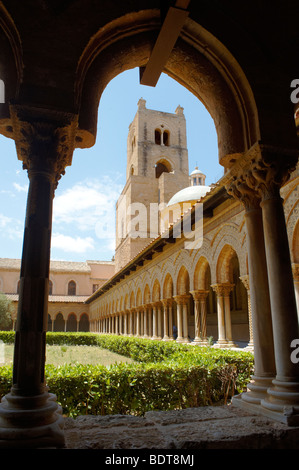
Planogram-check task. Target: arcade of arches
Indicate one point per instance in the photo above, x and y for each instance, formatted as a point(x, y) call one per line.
point(239, 59)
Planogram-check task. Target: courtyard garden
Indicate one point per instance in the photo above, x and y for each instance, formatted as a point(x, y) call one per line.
point(107, 374)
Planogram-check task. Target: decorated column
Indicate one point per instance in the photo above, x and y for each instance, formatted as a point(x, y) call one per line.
point(267, 174)
point(245, 281)
point(295, 268)
point(264, 361)
point(29, 414)
point(221, 342)
point(200, 316)
point(179, 301)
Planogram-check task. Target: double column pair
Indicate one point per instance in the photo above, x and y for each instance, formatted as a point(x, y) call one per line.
point(223, 313)
point(274, 389)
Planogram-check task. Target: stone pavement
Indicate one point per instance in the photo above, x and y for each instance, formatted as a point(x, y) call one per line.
point(219, 427)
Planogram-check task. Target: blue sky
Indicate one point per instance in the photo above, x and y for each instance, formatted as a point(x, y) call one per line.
point(85, 198)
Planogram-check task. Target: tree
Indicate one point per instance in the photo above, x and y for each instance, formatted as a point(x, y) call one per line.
point(5, 313)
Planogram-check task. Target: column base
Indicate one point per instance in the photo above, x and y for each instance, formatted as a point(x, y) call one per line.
point(31, 422)
point(283, 399)
point(221, 343)
point(197, 340)
point(249, 347)
point(257, 389)
point(285, 416)
point(182, 340)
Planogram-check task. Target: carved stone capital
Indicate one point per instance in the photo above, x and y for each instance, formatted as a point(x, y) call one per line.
point(167, 302)
point(245, 281)
point(259, 174)
point(45, 139)
point(224, 289)
point(239, 189)
point(182, 299)
point(199, 295)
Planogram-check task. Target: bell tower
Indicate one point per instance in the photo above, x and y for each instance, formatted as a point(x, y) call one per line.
point(157, 168)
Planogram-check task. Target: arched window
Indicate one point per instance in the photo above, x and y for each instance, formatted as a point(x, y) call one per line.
point(157, 136)
point(71, 290)
point(50, 287)
point(166, 138)
point(162, 166)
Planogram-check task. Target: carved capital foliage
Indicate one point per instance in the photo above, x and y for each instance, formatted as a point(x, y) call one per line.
point(45, 139)
point(239, 189)
point(223, 290)
point(199, 295)
point(167, 302)
point(245, 281)
point(182, 299)
point(260, 173)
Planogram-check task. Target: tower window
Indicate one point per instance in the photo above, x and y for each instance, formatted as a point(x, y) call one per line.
point(158, 137)
point(50, 287)
point(166, 138)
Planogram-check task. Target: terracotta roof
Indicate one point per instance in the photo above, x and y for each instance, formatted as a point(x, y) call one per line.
point(57, 266)
point(55, 298)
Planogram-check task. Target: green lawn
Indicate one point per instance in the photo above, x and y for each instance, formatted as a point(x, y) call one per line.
point(59, 355)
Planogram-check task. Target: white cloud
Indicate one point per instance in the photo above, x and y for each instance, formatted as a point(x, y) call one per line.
point(20, 188)
point(11, 228)
point(5, 221)
point(88, 206)
point(72, 244)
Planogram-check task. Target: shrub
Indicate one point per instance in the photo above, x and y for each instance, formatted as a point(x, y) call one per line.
point(167, 376)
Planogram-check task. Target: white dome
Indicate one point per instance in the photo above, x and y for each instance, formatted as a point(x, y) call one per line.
point(196, 172)
point(191, 193)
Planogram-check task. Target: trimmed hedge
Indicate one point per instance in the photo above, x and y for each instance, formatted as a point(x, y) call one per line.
point(167, 376)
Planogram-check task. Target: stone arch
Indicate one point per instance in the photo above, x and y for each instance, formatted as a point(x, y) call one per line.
point(200, 280)
point(84, 322)
point(138, 298)
point(228, 234)
point(168, 287)
point(59, 322)
point(211, 73)
point(162, 166)
point(71, 322)
point(223, 271)
point(183, 258)
point(126, 302)
point(146, 294)
point(156, 292)
point(132, 300)
point(182, 282)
